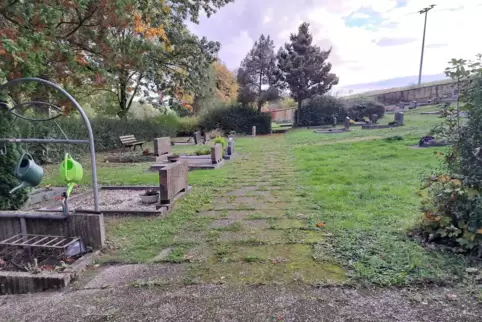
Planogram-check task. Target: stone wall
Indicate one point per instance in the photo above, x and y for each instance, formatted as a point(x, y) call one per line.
point(423, 93)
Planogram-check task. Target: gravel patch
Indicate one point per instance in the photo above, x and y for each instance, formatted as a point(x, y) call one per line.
point(124, 199)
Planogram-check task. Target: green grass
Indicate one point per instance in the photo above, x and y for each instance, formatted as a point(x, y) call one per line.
point(365, 191)
point(361, 185)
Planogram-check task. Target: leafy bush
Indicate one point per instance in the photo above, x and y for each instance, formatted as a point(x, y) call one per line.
point(452, 204)
point(365, 108)
point(202, 151)
point(320, 111)
point(236, 118)
point(7, 165)
point(220, 140)
point(187, 126)
point(106, 133)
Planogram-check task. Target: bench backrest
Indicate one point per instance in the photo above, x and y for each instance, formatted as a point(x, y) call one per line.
point(128, 139)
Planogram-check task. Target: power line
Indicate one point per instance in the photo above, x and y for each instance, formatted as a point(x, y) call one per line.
point(423, 11)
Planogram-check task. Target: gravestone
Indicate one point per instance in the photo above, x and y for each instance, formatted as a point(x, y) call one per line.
point(347, 124)
point(230, 146)
point(253, 131)
point(334, 121)
point(206, 137)
point(197, 138)
point(216, 153)
point(162, 146)
point(399, 118)
point(172, 180)
point(374, 118)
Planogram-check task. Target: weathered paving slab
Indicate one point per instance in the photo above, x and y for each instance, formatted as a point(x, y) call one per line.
point(125, 275)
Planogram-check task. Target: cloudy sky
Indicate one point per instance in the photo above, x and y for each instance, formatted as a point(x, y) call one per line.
point(372, 40)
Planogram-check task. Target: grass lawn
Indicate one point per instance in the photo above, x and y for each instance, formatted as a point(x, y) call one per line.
point(254, 220)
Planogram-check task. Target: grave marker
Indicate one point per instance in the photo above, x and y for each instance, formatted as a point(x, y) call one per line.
point(399, 118)
point(347, 123)
point(197, 137)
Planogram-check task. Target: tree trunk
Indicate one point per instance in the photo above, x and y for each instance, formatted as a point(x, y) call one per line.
point(260, 105)
point(297, 122)
point(122, 96)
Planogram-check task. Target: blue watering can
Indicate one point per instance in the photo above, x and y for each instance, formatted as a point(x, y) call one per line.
point(28, 172)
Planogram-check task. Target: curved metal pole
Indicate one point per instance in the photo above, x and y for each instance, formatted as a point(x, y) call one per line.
point(84, 118)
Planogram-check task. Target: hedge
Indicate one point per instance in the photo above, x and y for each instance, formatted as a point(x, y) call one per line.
point(321, 109)
point(106, 133)
point(237, 118)
point(187, 126)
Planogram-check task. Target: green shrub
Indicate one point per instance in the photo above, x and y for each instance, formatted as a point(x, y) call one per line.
point(452, 203)
point(220, 140)
point(203, 151)
point(320, 111)
point(106, 133)
point(7, 165)
point(187, 126)
point(360, 111)
point(236, 118)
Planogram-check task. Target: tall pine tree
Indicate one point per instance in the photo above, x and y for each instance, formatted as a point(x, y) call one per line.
point(258, 75)
point(8, 162)
point(304, 67)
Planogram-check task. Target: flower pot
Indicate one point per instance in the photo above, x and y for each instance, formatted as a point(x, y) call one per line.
point(149, 199)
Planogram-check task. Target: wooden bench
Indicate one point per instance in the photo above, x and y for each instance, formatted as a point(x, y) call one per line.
point(130, 141)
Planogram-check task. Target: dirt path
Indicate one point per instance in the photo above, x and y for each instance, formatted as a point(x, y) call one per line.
point(247, 257)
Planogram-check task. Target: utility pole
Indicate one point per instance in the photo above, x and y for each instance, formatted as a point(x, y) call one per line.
point(423, 11)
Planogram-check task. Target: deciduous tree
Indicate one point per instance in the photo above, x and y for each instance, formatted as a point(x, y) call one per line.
point(305, 67)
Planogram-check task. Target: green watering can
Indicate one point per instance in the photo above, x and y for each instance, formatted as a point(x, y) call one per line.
point(71, 172)
point(27, 171)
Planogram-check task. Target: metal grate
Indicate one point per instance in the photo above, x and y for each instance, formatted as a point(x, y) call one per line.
point(40, 241)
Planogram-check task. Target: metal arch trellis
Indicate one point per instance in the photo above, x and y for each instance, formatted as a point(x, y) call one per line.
point(85, 119)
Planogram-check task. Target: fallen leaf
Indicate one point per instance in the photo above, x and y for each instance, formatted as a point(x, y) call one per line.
point(320, 224)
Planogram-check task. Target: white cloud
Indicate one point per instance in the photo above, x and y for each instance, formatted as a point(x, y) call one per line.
point(356, 56)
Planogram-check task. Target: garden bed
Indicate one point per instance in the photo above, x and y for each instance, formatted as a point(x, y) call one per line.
point(130, 157)
point(50, 273)
point(116, 200)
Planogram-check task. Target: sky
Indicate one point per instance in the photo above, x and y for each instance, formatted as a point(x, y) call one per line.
point(371, 40)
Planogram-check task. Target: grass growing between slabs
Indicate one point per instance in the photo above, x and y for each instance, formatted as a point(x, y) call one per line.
point(255, 219)
point(365, 191)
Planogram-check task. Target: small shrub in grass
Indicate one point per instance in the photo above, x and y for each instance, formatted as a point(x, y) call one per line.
point(220, 140)
point(203, 151)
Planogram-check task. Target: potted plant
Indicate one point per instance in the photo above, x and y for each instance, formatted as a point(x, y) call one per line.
point(150, 196)
point(173, 157)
